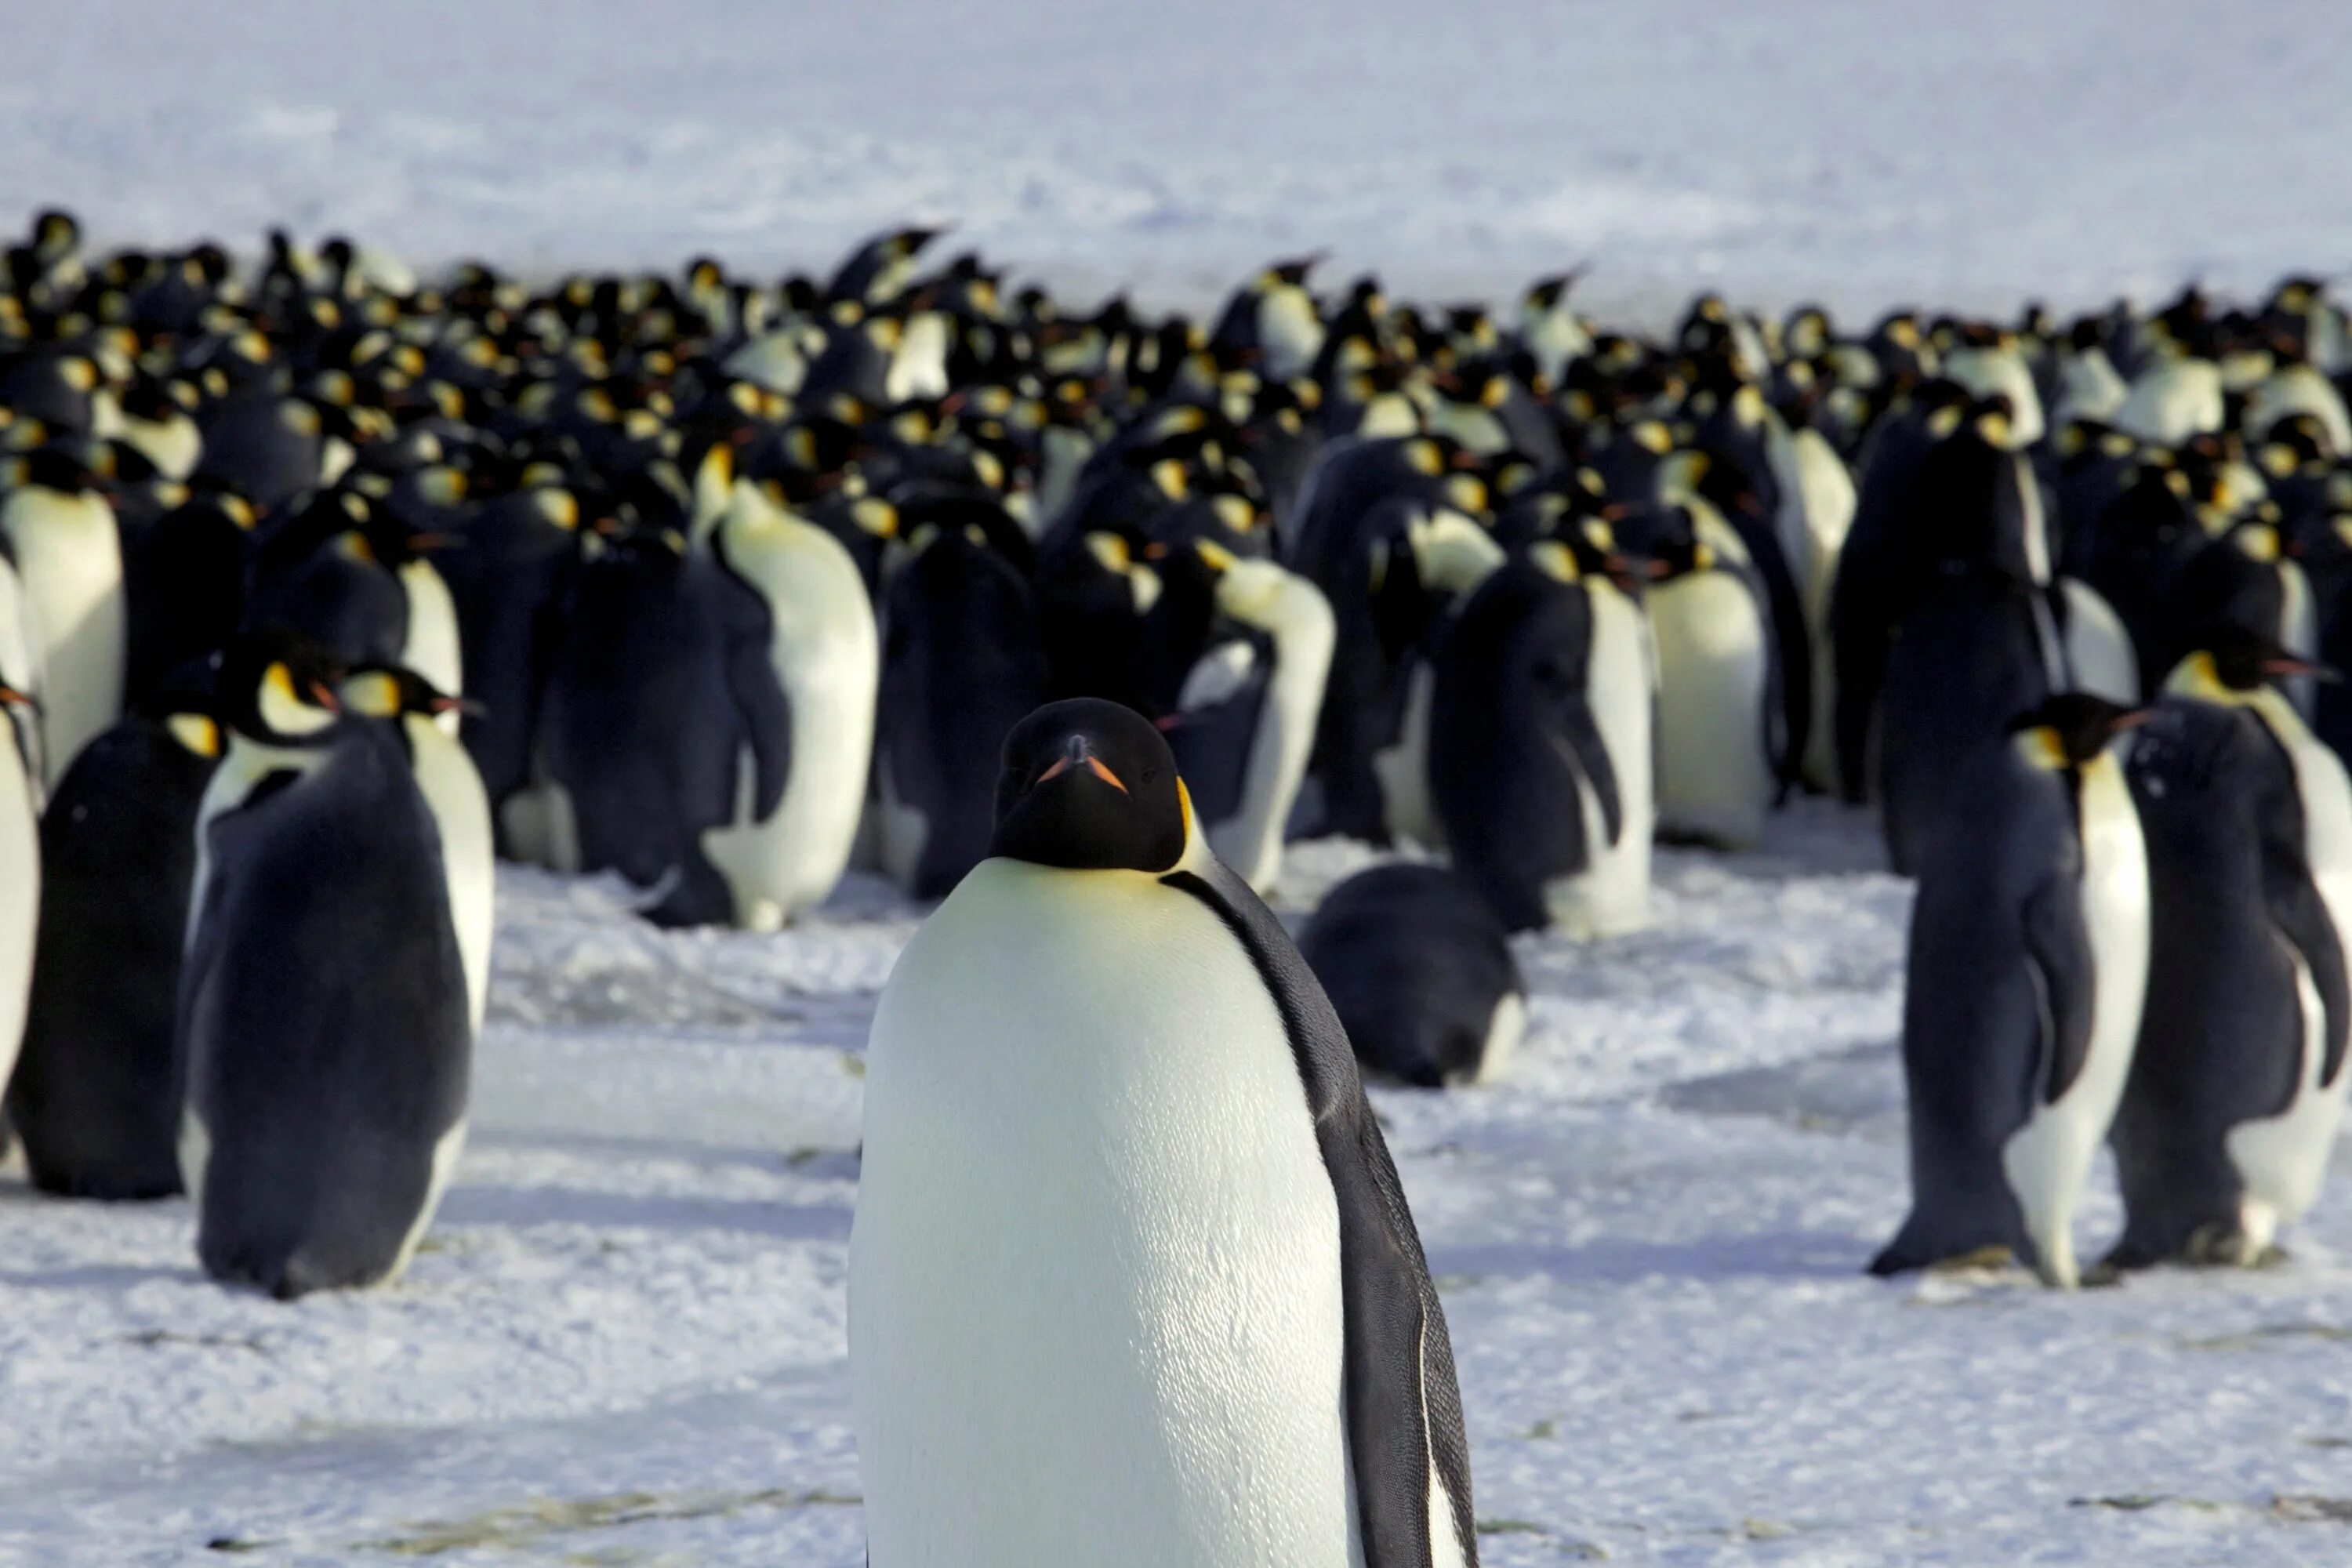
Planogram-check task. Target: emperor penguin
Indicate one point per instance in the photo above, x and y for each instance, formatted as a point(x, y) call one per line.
point(20, 871)
point(68, 558)
point(1720, 740)
point(95, 1099)
point(2239, 1085)
point(1132, 1281)
point(827, 655)
point(1451, 554)
point(1524, 778)
point(1277, 319)
point(1246, 718)
point(1421, 975)
point(2028, 962)
point(325, 1011)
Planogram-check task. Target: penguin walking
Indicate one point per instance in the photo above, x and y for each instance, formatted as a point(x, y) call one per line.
point(1245, 718)
point(1523, 779)
point(69, 559)
point(1421, 974)
point(827, 658)
point(2239, 1085)
point(2029, 959)
point(326, 1004)
point(1133, 1280)
point(94, 1097)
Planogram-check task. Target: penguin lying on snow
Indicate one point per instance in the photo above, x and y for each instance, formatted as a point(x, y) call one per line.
point(2029, 958)
point(2238, 1084)
point(336, 955)
point(1421, 975)
point(1133, 1278)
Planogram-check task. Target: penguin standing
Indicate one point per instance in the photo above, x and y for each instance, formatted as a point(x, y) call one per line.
point(69, 559)
point(94, 1097)
point(1133, 1278)
point(1246, 718)
point(1524, 781)
point(827, 658)
point(1719, 739)
point(1421, 974)
point(2238, 1084)
point(2028, 963)
point(324, 1020)
point(20, 872)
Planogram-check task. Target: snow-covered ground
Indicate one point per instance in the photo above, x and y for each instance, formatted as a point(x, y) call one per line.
point(624, 1342)
point(1860, 150)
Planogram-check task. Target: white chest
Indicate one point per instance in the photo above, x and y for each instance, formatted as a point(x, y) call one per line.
point(1095, 1309)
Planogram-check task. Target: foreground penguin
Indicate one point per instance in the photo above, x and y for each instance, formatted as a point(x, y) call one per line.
point(326, 1005)
point(2029, 959)
point(1132, 1281)
point(1246, 716)
point(20, 869)
point(1421, 975)
point(2239, 1083)
point(94, 1098)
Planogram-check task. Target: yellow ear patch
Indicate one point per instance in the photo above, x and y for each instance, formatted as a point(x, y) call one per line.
point(1218, 557)
point(1424, 457)
point(374, 693)
point(196, 731)
point(875, 516)
point(2042, 748)
point(1169, 475)
point(1554, 560)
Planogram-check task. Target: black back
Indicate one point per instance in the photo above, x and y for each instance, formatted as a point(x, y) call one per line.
point(1415, 963)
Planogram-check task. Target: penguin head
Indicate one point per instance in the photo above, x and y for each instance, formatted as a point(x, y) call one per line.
point(388, 691)
point(277, 687)
point(2233, 665)
point(1089, 786)
point(2071, 729)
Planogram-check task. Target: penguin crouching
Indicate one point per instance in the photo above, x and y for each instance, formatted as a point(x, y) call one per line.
point(1133, 1278)
point(1421, 975)
point(324, 1018)
point(94, 1098)
point(2028, 963)
point(827, 659)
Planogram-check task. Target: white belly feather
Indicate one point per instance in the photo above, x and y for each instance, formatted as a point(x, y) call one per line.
point(1714, 780)
point(1095, 1314)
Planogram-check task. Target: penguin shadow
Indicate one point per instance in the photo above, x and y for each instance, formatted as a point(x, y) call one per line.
point(505, 1205)
point(111, 1278)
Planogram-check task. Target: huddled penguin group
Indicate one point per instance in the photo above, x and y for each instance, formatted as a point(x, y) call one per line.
point(322, 587)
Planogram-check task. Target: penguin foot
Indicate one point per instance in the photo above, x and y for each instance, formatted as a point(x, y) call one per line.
point(1984, 1259)
point(2103, 1274)
point(2219, 1245)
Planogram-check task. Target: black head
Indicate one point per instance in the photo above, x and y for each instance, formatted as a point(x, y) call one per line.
point(2233, 659)
point(2070, 728)
point(1090, 785)
point(277, 687)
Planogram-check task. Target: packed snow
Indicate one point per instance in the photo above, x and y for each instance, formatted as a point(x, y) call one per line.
point(624, 1341)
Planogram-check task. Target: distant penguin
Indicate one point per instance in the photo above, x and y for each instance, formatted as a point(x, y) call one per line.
point(1720, 744)
point(1123, 1195)
point(324, 1020)
point(1422, 975)
point(20, 871)
point(1245, 718)
point(270, 450)
point(2239, 1085)
point(961, 662)
point(2173, 400)
point(1274, 319)
point(1523, 779)
point(94, 1098)
point(185, 588)
point(2029, 958)
point(69, 559)
point(1450, 554)
point(827, 657)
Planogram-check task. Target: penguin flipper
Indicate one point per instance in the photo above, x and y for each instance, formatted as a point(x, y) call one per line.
point(2301, 915)
point(1406, 1435)
point(2064, 972)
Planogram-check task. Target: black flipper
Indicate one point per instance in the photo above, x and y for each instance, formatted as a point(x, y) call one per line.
point(2065, 972)
point(758, 697)
point(1405, 1403)
point(2302, 918)
point(1212, 743)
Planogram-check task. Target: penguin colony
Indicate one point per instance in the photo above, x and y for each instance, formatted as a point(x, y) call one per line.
point(321, 586)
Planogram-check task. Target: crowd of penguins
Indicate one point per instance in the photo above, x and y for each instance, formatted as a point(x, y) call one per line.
point(321, 585)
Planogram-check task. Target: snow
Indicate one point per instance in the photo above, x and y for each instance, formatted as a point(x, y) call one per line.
point(1866, 154)
point(624, 1342)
